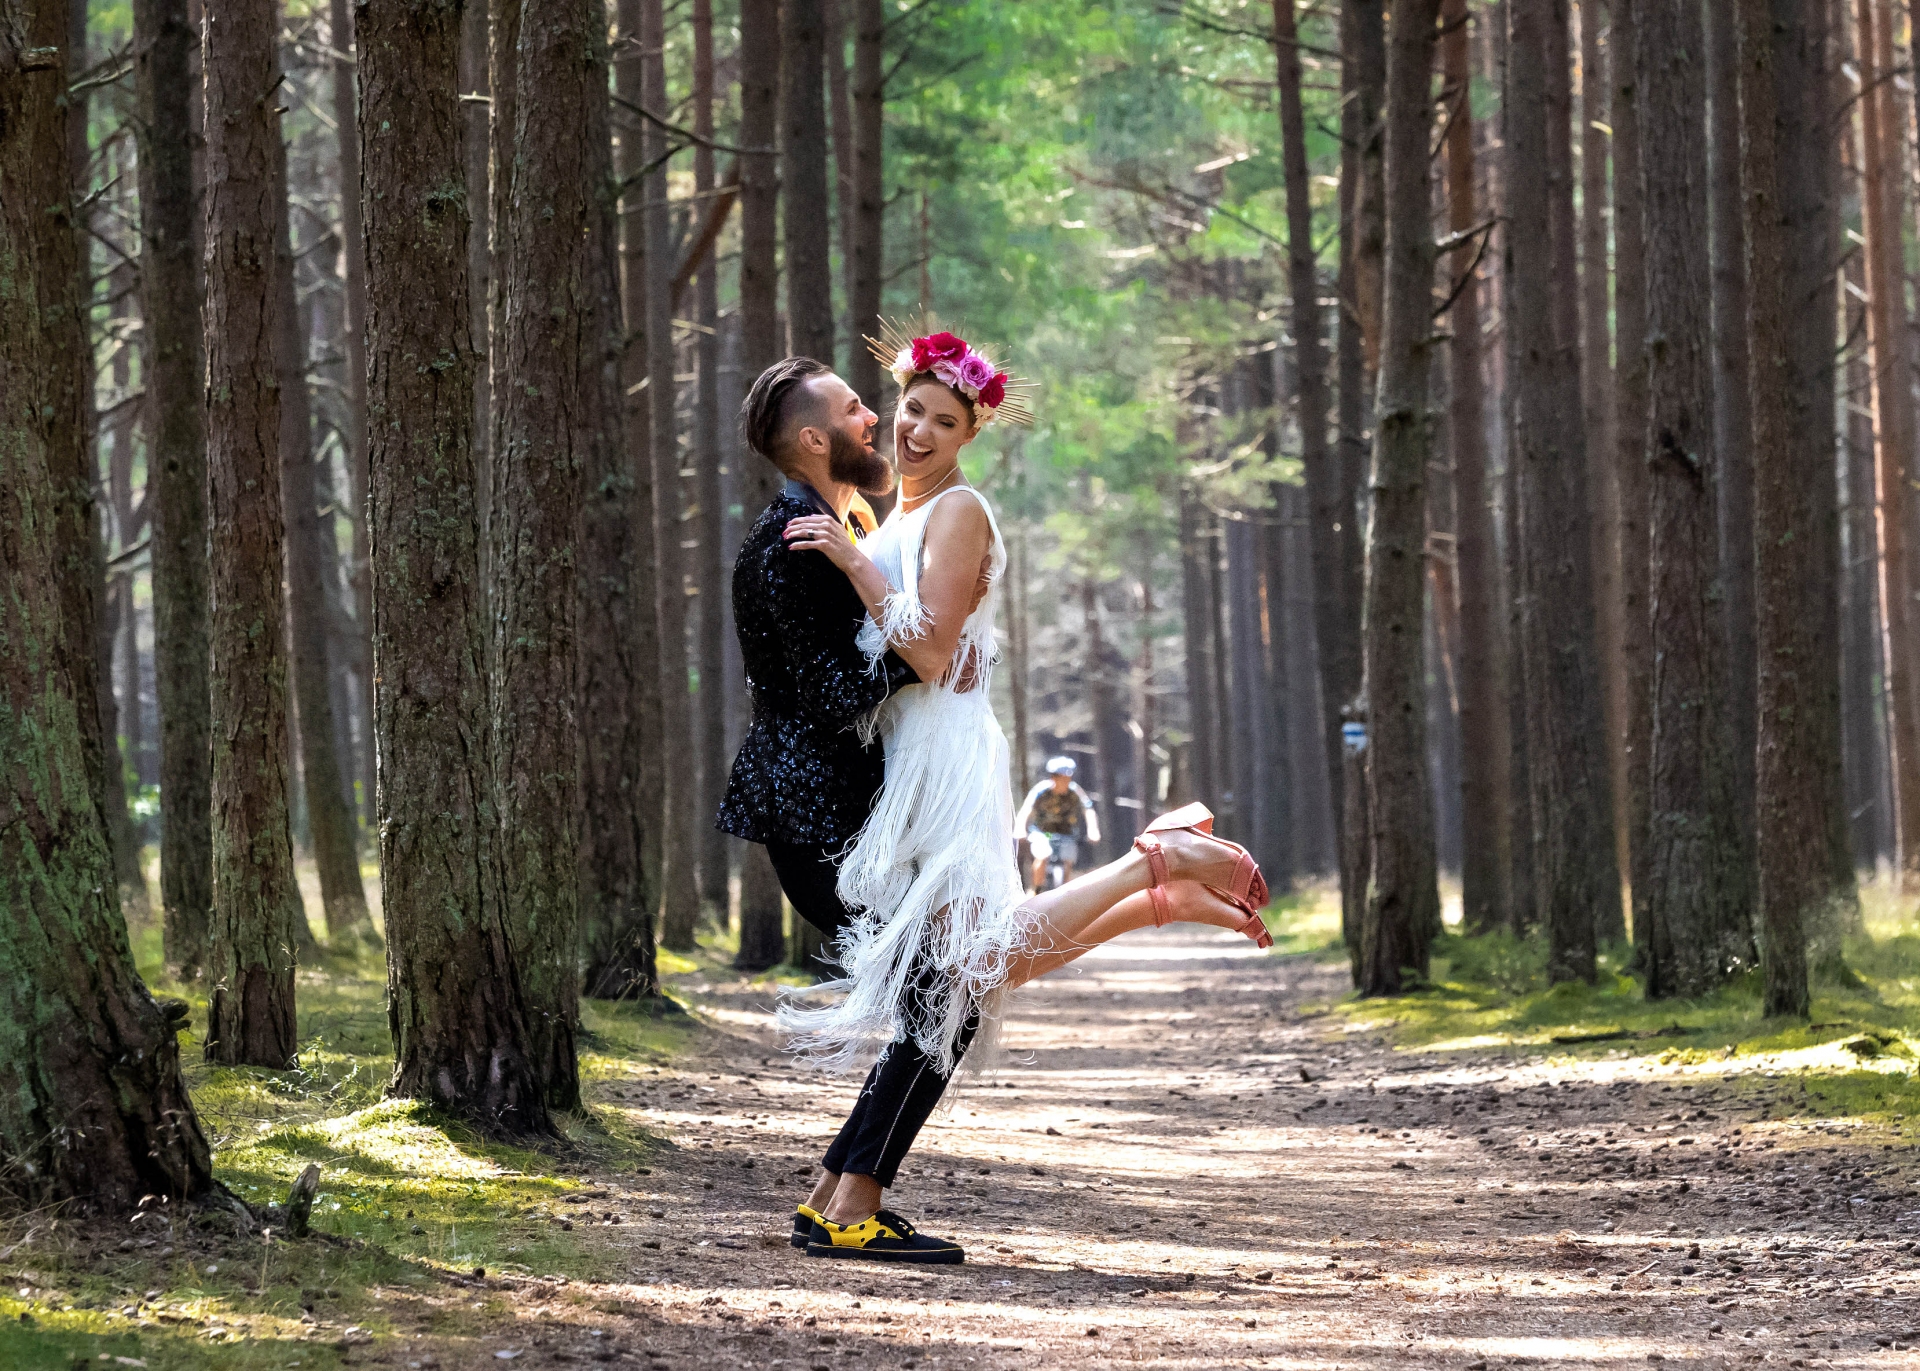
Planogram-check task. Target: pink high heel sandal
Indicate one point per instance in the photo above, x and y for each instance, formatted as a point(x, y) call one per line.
point(1247, 889)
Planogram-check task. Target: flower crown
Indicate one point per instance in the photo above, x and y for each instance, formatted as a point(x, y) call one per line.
point(953, 361)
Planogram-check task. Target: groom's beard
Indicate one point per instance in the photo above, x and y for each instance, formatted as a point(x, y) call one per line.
point(851, 464)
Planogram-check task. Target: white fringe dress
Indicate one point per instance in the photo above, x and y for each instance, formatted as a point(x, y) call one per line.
point(932, 876)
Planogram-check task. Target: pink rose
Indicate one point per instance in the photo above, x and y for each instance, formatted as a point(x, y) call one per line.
point(937, 347)
point(946, 372)
point(975, 372)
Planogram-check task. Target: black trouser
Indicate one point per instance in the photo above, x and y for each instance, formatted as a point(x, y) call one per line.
point(904, 1086)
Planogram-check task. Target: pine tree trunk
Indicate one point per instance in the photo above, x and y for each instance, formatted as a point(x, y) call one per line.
point(763, 935)
point(90, 529)
point(1403, 899)
point(543, 440)
point(460, 1025)
point(1486, 824)
point(1628, 456)
point(330, 821)
point(1197, 622)
point(680, 898)
point(867, 212)
point(763, 938)
point(1331, 518)
point(250, 962)
point(1338, 512)
point(1573, 857)
point(1791, 832)
point(1734, 405)
point(474, 115)
point(617, 900)
point(761, 347)
point(833, 50)
point(708, 449)
point(354, 260)
point(1247, 687)
point(803, 180)
point(629, 155)
point(1810, 208)
point(1698, 907)
point(1868, 798)
point(1597, 404)
point(176, 477)
point(1367, 50)
point(95, 1112)
point(68, 420)
point(1895, 436)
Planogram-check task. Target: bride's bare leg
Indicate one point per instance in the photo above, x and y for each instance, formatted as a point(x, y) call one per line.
point(1066, 913)
point(1191, 904)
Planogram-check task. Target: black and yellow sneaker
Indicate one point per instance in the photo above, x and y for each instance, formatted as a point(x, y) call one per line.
point(886, 1237)
point(803, 1221)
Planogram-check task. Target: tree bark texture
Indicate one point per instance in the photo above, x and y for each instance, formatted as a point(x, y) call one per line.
point(1330, 498)
point(1807, 151)
point(252, 939)
point(760, 43)
point(833, 53)
point(803, 180)
point(1791, 832)
point(1733, 402)
point(460, 1026)
point(709, 449)
point(543, 438)
point(1403, 897)
point(1365, 45)
point(99, 623)
point(1570, 373)
point(93, 1108)
point(1336, 509)
point(1485, 778)
point(629, 155)
point(1573, 857)
point(680, 897)
point(1597, 405)
point(1628, 455)
point(866, 271)
point(1197, 620)
point(330, 820)
point(70, 423)
point(617, 893)
point(176, 476)
point(1699, 905)
point(474, 116)
point(353, 258)
point(1868, 797)
point(1894, 424)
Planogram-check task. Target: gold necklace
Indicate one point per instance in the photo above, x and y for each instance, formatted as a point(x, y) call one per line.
point(905, 498)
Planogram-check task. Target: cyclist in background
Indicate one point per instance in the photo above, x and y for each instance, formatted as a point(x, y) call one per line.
point(1052, 818)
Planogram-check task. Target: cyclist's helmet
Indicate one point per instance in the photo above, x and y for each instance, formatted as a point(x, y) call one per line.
point(1061, 766)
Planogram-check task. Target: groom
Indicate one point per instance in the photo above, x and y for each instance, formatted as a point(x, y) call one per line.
point(803, 781)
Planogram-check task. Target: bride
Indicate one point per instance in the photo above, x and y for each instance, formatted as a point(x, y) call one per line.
point(932, 876)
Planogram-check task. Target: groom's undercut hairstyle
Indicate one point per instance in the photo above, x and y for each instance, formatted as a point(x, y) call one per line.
point(781, 402)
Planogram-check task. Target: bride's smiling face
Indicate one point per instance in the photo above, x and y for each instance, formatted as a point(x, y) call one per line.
point(930, 427)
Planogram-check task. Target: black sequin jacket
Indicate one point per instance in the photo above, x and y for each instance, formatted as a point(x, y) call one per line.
point(802, 774)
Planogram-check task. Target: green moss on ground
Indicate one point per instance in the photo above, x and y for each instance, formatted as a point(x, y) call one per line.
point(1857, 1056)
point(408, 1198)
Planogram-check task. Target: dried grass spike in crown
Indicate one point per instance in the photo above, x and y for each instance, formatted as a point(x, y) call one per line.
point(952, 360)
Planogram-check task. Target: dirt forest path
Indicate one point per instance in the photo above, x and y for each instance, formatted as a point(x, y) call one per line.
point(1176, 1166)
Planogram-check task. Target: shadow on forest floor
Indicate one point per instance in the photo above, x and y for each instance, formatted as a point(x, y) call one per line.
point(426, 1235)
point(1856, 1054)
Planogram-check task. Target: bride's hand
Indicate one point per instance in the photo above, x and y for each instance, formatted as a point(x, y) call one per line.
point(819, 533)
